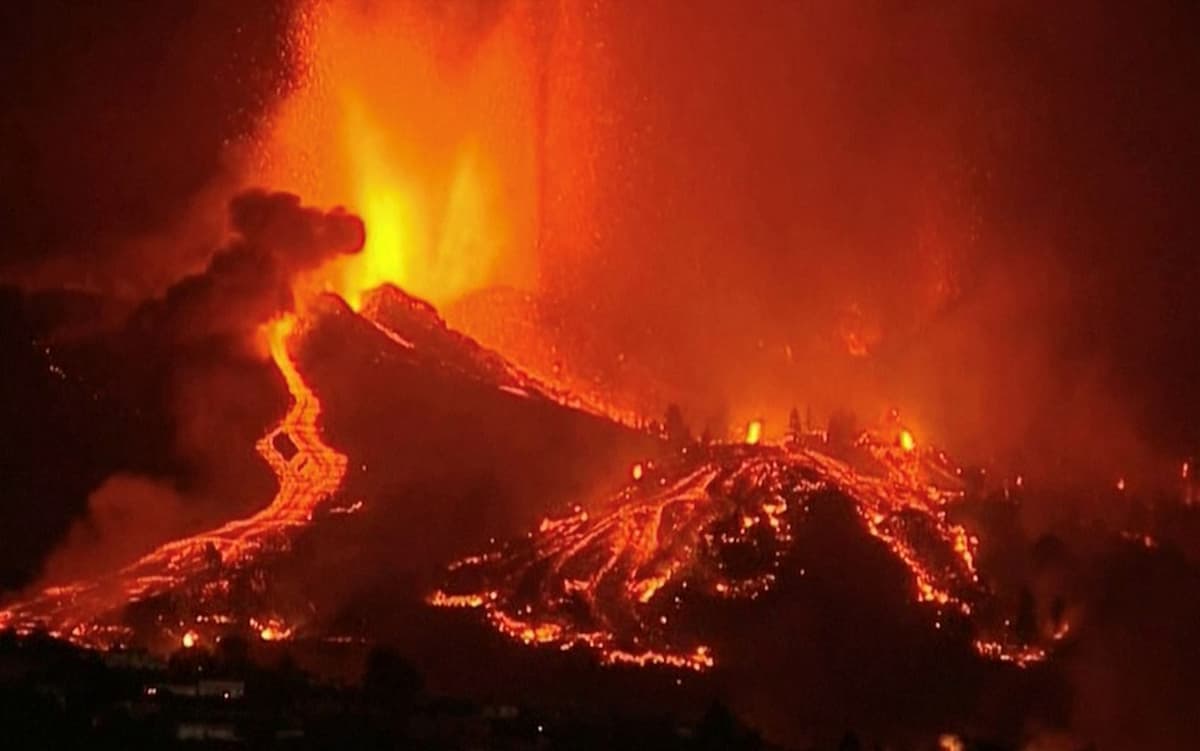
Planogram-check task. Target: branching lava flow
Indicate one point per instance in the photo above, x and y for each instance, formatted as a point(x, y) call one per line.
point(88, 612)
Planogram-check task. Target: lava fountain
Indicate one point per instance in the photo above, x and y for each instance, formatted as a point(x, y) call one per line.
point(421, 121)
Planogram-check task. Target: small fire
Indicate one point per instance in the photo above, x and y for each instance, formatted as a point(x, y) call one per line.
point(271, 629)
point(190, 639)
point(637, 471)
point(906, 440)
point(1121, 484)
point(1062, 631)
point(754, 432)
point(950, 742)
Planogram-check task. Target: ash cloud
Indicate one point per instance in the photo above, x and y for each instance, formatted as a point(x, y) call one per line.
point(221, 390)
point(250, 281)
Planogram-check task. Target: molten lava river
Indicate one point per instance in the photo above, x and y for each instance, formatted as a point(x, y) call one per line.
point(308, 471)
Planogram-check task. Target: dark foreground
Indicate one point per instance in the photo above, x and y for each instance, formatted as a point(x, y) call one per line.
point(54, 695)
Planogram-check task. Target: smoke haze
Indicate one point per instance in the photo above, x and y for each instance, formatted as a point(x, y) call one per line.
point(989, 197)
point(979, 213)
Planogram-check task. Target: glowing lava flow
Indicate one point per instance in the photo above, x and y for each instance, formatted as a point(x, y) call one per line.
point(88, 612)
point(625, 578)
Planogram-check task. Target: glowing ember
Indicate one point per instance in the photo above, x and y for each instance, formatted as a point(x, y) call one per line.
point(190, 639)
point(271, 629)
point(906, 440)
point(637, 471)
point(1017, 654)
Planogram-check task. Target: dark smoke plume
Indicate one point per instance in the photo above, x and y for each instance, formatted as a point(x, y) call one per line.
point(187, 364)
point(250, 281)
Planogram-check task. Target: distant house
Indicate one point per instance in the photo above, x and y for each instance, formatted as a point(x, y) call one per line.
point(501, 712)
point(131, 659)
point(209, 688)
point(221, 689)
point(203, 730)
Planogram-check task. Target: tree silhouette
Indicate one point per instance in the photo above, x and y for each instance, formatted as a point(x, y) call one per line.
point(233, 652)
point(850, 742)
point(390, 677)
point(721, 729)
point(843, 429)
point(675, 428)
point(795, 428)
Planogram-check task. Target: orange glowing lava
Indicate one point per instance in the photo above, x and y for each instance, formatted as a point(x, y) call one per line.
point(87, 612)
point(614, 579)
point(754, 432)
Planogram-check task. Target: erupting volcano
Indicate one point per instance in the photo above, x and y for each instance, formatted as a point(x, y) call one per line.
point(819, 365)
point(626, 575)
point(629, 576)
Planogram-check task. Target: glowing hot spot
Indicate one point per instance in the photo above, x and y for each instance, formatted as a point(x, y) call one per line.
point(754, 432)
